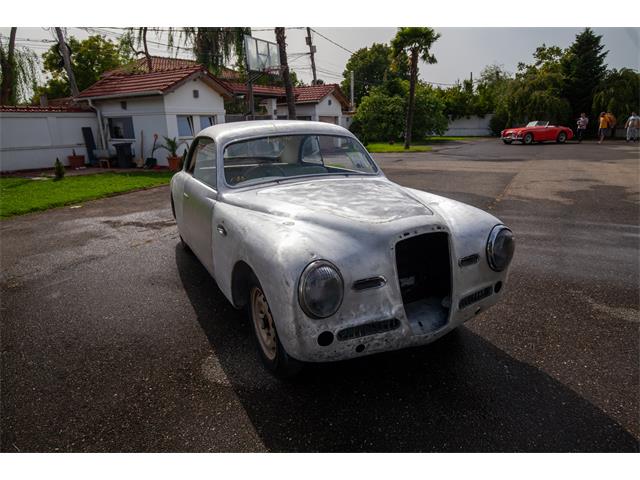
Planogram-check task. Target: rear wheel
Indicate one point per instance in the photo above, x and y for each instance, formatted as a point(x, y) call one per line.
point(273, 355)
point(562, 137)
point(528, 139)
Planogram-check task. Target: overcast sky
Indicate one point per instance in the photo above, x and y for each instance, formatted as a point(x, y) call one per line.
point(459, 51)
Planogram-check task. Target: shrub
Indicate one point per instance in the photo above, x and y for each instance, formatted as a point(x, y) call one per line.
point(58, 170)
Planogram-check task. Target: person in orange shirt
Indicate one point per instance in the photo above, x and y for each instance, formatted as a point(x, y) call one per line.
point(603, 126)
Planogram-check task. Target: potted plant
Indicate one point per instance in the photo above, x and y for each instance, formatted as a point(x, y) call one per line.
point(171, 145)
point(76, 161)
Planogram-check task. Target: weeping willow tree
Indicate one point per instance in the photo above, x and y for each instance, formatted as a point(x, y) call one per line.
point(135, 38)
point(213, 47)
point(18, 71)
point(619, 93)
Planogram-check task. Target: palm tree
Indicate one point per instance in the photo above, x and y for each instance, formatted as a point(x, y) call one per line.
point(416, 42)
point(286, 76)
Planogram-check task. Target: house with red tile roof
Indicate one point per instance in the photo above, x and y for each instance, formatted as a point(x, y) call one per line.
point(177, 98)
point(320, 103)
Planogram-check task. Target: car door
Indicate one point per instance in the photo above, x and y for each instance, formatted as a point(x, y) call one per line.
point(200, 197)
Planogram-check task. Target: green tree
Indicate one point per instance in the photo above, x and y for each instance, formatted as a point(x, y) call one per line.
point(584, 68)
point(618, 93)
point(416, 43)
point(371, 67)
point(491, 86)
point(213, 47)
point(18, 70)
point(90, 58)
point(459, 99)
point(380, 115)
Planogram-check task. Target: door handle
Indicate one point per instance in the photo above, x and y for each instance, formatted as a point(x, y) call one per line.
point(221, 230)
point(185, 194)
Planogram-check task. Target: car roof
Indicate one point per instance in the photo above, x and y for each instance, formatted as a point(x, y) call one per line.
point(226, 132)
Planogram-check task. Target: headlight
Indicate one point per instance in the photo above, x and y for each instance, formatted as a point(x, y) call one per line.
point(500, 248)
point(321, 289)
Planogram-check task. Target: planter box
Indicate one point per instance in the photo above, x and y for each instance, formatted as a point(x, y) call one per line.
point(76, 161)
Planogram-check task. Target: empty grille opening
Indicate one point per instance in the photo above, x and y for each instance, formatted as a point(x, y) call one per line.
point(424, 275)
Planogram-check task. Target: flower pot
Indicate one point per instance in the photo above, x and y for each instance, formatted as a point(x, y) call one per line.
point(174, 163)
point(76, 161)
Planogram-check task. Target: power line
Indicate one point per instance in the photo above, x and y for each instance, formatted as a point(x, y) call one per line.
point(331, 41)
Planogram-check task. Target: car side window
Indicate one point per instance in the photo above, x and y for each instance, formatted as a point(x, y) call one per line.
point(203, 162)
point(310, 151)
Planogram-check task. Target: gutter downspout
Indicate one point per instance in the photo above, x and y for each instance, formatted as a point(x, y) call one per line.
point(103, 140)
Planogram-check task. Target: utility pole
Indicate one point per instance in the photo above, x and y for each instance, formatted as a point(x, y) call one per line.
point(353, 103)
point(8, 69)
point(312, 51)
point(66, 57)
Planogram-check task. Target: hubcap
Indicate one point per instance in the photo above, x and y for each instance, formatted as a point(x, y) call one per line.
point(263, 323)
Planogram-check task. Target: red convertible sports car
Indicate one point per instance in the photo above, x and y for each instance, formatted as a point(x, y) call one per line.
point(536, 132)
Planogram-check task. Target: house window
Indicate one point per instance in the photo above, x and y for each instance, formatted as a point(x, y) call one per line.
point(329, 102)
point(207, 121)
point(185, 126)
point(196, 94)
point(121, 127)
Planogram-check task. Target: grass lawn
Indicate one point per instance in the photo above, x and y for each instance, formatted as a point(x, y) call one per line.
point(396, 147)
point(23, 195)
point(422, 146)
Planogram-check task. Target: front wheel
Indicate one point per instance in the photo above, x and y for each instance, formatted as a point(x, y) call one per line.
point(507, 142)
point(562, 137)
point(273, 355)
point(528, 139)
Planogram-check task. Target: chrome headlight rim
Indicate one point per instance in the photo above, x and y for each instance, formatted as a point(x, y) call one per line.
point(301, 284)
point(493, 235)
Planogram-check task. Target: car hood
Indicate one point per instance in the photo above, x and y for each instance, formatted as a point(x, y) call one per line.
point(352, 199)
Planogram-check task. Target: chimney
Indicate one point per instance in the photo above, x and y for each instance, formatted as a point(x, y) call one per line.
point(44, 101)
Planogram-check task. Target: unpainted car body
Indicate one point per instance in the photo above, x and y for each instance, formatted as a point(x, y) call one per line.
point(536, 131)
point(379, 236)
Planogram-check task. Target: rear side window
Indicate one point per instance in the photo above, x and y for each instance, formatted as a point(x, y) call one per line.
point(203, 162)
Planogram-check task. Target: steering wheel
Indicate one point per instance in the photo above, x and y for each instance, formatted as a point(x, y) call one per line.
point(260, 171)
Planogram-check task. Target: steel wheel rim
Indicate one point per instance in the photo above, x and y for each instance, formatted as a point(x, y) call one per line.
point(528, 139)
point(563, 137)
point(263, 323)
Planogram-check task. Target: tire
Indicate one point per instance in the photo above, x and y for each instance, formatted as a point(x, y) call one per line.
point(507, 142)
point(528, 139)
point(273, 355)
point(184, 245)
point(562, 137)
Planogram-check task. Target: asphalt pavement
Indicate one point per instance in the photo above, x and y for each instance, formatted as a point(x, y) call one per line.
point(113, 338)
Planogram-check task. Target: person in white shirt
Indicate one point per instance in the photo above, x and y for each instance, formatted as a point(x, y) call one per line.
point(582, 123)
point(632, 125)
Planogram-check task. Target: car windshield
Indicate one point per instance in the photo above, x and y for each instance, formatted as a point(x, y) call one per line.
point(277, 157)
point(537, 124)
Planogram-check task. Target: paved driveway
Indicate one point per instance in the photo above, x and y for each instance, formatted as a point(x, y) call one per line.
point(114, 339)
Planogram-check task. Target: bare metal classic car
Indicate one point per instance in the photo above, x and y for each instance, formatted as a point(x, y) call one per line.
point(332, 260)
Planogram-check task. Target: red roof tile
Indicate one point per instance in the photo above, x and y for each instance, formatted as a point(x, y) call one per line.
point(238, 88)
point(131, 84)
point(310, 94)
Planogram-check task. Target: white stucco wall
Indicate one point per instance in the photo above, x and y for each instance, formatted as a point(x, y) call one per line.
point(148, 116)
point(31, 140)
point(473, 126)
point(316, 110)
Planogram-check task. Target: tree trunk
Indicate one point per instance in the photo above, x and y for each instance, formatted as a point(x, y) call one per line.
point(284, 66)
point(412, 98)
point(146, 49)
point(66, 57)
point(7, 64)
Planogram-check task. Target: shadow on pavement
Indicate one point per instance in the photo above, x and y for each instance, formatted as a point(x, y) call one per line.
point(458, 394)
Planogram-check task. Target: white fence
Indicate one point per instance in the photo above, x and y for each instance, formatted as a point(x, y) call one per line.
point(473, 126)
point(34, 139)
